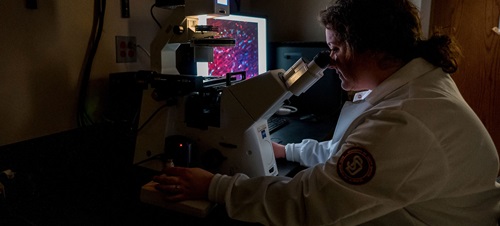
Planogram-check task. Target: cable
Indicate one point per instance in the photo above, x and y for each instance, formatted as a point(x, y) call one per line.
point(83, 119)
point(143, 49)
point(151, 117)
point(286, 110)
point(291, 108)
point(153, 16)
point(81, 114)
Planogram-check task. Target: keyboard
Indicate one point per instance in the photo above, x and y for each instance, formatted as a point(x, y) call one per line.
point(274, 123)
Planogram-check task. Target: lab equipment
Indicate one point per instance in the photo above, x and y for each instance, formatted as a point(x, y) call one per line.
point(228, 123)
point(183, 41)
point(226, 119)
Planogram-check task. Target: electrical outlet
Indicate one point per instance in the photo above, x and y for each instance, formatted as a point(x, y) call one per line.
point(126, 49)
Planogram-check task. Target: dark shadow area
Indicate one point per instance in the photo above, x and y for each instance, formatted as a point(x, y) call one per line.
point(83, 177)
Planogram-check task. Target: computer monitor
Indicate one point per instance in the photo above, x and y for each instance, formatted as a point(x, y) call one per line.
point(249, 53)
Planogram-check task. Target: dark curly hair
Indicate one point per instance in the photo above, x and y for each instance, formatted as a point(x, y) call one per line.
point(391, 27)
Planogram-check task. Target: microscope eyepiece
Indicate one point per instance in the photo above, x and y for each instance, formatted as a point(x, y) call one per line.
point(322, 59)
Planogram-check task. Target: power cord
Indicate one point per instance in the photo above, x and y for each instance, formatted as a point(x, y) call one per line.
point(83, 119)
point(286, 110)
point(153, 16)
point(144, 50)
point(151, 117)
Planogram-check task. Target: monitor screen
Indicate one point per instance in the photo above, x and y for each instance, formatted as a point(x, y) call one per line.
point(222, 2)
point(249, 53)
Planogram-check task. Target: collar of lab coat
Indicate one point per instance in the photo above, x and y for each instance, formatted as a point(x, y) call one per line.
point(359, 96)
point(412, 70)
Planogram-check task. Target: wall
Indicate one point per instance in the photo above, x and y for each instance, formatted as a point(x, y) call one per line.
point(42, 54)
point(298, 22)
point(425, 13)
point(290, 20)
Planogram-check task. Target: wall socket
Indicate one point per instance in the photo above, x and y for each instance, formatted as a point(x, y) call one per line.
point(126, 49)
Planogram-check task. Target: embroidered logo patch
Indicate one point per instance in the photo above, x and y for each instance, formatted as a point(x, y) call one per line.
point(356, 166)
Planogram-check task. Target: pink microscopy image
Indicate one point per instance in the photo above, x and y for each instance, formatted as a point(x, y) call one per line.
point(243, 56)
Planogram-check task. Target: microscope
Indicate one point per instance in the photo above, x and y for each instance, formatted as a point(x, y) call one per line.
point(218, 124)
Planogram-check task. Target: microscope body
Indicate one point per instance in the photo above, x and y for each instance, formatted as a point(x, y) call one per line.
point(222, 127)
point(236, 138)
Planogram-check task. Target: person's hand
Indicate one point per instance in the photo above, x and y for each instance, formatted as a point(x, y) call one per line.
point(279, 150)
point(180, 183)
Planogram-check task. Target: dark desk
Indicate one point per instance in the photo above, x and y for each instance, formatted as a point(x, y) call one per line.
point(84, 177)
point(314, 127)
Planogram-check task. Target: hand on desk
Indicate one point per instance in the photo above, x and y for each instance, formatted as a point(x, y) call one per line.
point(179, 183)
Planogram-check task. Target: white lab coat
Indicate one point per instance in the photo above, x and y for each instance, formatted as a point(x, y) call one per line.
point(427, 160)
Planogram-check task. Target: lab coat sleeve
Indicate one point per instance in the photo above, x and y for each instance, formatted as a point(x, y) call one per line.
point(319, 196)
point(310, 152)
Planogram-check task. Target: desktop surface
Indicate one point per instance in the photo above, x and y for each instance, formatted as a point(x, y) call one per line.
point(307, 126)
point(301, 127)
point(50, 172)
